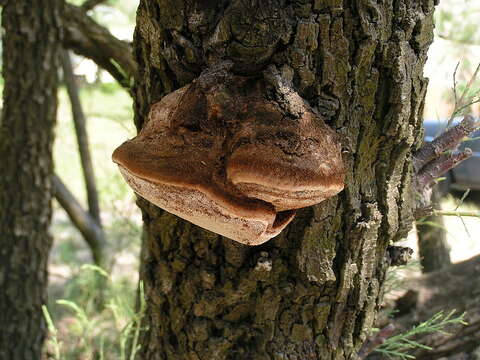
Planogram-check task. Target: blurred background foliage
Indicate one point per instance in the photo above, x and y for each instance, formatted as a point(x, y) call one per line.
point(456, 43)
point(456, 22)
point(85, 328)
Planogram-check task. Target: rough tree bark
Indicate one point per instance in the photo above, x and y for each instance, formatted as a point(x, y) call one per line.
point(30, 51)
point(313, 291)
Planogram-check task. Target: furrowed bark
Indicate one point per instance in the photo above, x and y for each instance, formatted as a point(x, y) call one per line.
point(359, 63)
point(30, 63)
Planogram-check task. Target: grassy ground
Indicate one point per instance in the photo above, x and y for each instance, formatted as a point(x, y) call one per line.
point(83, 329)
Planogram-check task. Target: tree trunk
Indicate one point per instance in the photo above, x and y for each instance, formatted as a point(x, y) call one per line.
point(96, 242)
point(313, 291)
point(433, 248)
point(30, 51)
point(92, 233)
point(80, 123)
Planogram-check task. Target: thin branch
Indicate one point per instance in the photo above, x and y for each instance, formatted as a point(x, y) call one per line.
point(466, 106)
point(449, 123)
point(465, 100)
point(87, 38)
point(435, 158)
point(439, 166)
point(457, 213)
point(90, 4)
point(458, 41)
point(375, 341)
point(449, 140)
point(469, 84)
point(82, 137)
point(89, 229)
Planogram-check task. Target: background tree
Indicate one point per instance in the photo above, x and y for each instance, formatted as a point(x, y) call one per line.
point(30, 53)
point(360, 65)
point(433, 248)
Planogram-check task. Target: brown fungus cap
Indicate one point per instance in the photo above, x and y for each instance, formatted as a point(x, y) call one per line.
point(227, 154)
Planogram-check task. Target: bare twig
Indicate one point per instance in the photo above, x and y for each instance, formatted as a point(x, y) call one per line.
point(439, 166)
point(469, 84)
point(434, 159)
point(449, 140)
point(457, 213)
point(376, 340)
point(467, 105)
point(89, 229)
point(90, 4)
point(449, 123)
point(430, 162)
point(82, 138)
point(460, 202)
point(465, 101)
point(462, 199)
point(458, 41)
point(427, 211)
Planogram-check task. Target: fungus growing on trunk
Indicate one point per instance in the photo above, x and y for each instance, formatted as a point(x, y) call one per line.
point(233, 154)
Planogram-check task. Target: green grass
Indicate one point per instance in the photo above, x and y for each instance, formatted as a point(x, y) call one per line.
point(399, 346)
point(78, 328)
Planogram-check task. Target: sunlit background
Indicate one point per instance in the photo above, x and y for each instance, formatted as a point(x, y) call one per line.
point(108, 107)
point(455, 56)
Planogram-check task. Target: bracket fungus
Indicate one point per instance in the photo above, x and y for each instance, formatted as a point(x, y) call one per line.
point(233, 154)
